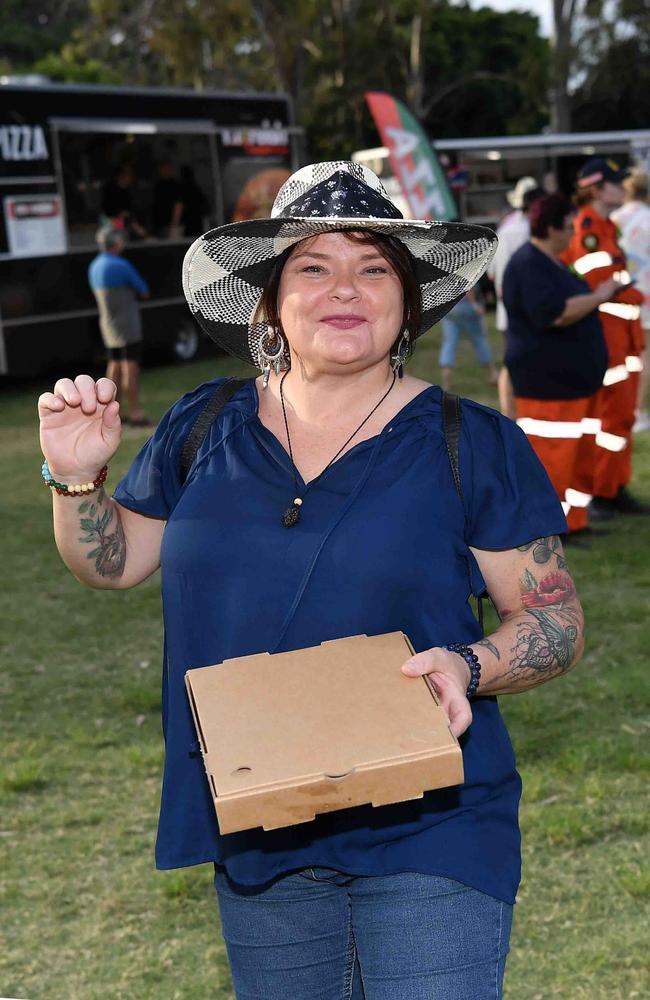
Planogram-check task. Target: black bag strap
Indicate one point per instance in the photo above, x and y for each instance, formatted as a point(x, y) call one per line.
point(451, 423)
point(215, 404)
point(451, 426)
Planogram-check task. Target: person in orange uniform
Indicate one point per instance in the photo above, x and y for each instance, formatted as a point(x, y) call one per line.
point(594, 253)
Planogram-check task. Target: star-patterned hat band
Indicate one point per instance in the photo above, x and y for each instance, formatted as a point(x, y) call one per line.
point(226, 270)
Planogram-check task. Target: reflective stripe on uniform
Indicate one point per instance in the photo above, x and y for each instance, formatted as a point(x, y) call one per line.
point(622, 310)
point(591, 261)
point(591, 425)
point(566, 507)
point(551, 428)
point(576, 498)
point(610, 442)
point(616, 374)
point(634, 363)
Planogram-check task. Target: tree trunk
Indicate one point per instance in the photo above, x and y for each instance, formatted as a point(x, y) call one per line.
point(563, 16)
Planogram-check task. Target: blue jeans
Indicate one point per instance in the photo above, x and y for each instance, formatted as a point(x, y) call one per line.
point(463, 321)
point(321, 935)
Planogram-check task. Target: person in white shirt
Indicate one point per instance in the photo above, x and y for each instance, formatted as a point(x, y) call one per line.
point(513, 231)
point(633, 220)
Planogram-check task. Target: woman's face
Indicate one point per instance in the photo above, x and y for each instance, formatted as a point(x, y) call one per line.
point(340, 302)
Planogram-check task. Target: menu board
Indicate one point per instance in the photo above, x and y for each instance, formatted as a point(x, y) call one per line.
point(34, 224)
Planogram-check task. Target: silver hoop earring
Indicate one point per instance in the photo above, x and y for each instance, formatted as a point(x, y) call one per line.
point(267, 358)
point(399, 359)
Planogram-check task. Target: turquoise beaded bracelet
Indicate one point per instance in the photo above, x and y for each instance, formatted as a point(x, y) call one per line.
point(79, 489)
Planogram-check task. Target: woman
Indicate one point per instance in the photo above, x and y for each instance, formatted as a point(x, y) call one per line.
point(633, 220)
point(320, 507)
point(556, 354)
point(594, 253)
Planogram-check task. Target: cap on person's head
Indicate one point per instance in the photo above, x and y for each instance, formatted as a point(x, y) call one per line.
point(108, 238)
point(598, 169)
point(516, 195)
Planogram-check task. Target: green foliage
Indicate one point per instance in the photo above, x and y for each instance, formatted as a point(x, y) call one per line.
point(68, 68)
point(463, 71)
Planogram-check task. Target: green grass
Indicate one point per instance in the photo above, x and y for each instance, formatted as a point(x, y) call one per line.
point(85, 915)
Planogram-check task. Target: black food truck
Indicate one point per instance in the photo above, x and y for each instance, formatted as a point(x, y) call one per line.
point(75, 157)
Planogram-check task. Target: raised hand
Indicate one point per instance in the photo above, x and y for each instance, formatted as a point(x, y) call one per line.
point(80, 427)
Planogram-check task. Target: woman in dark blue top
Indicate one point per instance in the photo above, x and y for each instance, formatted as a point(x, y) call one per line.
point(277, 541)
point(556, 354)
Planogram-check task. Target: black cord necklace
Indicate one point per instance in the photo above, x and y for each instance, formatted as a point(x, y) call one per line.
point(291, 515)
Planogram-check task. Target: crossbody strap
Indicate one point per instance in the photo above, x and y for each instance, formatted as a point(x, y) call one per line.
point(204, 420)
point(451, 423)
point(451, 426)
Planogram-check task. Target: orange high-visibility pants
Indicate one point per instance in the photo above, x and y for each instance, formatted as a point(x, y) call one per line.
point(606, 465)
point(556, 430)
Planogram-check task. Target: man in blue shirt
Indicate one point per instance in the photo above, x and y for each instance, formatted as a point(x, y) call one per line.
point(117, 286)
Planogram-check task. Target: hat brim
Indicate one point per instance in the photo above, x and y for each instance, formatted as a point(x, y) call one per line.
point(226, 270)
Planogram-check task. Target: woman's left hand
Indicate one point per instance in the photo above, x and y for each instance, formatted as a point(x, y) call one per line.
point(450, 677)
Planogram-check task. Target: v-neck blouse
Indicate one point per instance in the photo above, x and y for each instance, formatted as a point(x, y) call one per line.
point(382, 545)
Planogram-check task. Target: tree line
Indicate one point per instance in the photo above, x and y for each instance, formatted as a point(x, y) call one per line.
point(462, 71)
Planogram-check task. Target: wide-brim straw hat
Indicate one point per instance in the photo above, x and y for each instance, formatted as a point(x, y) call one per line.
point(226, 270)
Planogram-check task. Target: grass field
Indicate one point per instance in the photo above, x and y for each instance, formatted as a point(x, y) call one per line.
point(84, 914)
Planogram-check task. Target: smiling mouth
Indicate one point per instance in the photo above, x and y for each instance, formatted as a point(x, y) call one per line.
point(344, 321)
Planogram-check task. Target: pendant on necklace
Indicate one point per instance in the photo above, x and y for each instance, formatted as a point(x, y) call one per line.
point(291, 515)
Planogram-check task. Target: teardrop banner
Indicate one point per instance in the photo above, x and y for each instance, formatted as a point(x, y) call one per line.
point(412, 159)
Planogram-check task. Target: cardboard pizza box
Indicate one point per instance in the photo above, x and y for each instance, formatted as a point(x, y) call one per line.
point(290, 735)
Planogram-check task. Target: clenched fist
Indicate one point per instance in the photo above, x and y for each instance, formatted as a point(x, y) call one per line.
point(80, 427)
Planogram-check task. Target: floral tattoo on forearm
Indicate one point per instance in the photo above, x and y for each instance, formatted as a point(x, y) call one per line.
point(109, 550)
point(546, 637)
point(547, 629)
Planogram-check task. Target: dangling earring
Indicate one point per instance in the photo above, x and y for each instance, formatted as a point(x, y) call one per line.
point(398, 360)
point(267, 358)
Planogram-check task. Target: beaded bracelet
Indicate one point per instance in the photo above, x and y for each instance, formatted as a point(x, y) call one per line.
point(472, 661)
point(79, 489)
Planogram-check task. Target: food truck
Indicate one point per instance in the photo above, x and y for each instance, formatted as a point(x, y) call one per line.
point(67, 151)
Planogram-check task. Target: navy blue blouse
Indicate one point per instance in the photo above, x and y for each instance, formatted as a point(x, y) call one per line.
point(382, 545)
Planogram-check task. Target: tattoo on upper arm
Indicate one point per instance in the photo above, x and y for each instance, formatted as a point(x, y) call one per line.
point(109, 550)
point(544, 549)
point(546, 638)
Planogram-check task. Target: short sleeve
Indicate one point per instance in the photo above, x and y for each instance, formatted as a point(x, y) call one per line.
point(152, 485)
point(510, 500)
point(136, 280)
point(539, 293)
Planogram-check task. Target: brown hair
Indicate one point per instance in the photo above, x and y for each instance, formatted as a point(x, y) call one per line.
point(392, 249)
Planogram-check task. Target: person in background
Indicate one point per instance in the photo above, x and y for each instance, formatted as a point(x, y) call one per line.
point(512, 232)
point(117, 204)
point(633, 220)
point(117, 286)
point(167, 207)
point(594, 252)
point(555, 352)
point(467, 318)
point(195, 204)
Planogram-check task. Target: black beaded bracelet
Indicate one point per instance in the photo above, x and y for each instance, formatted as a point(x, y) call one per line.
point(472, 661)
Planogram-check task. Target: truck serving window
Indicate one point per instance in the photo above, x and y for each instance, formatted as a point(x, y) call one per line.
point(156, 180)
